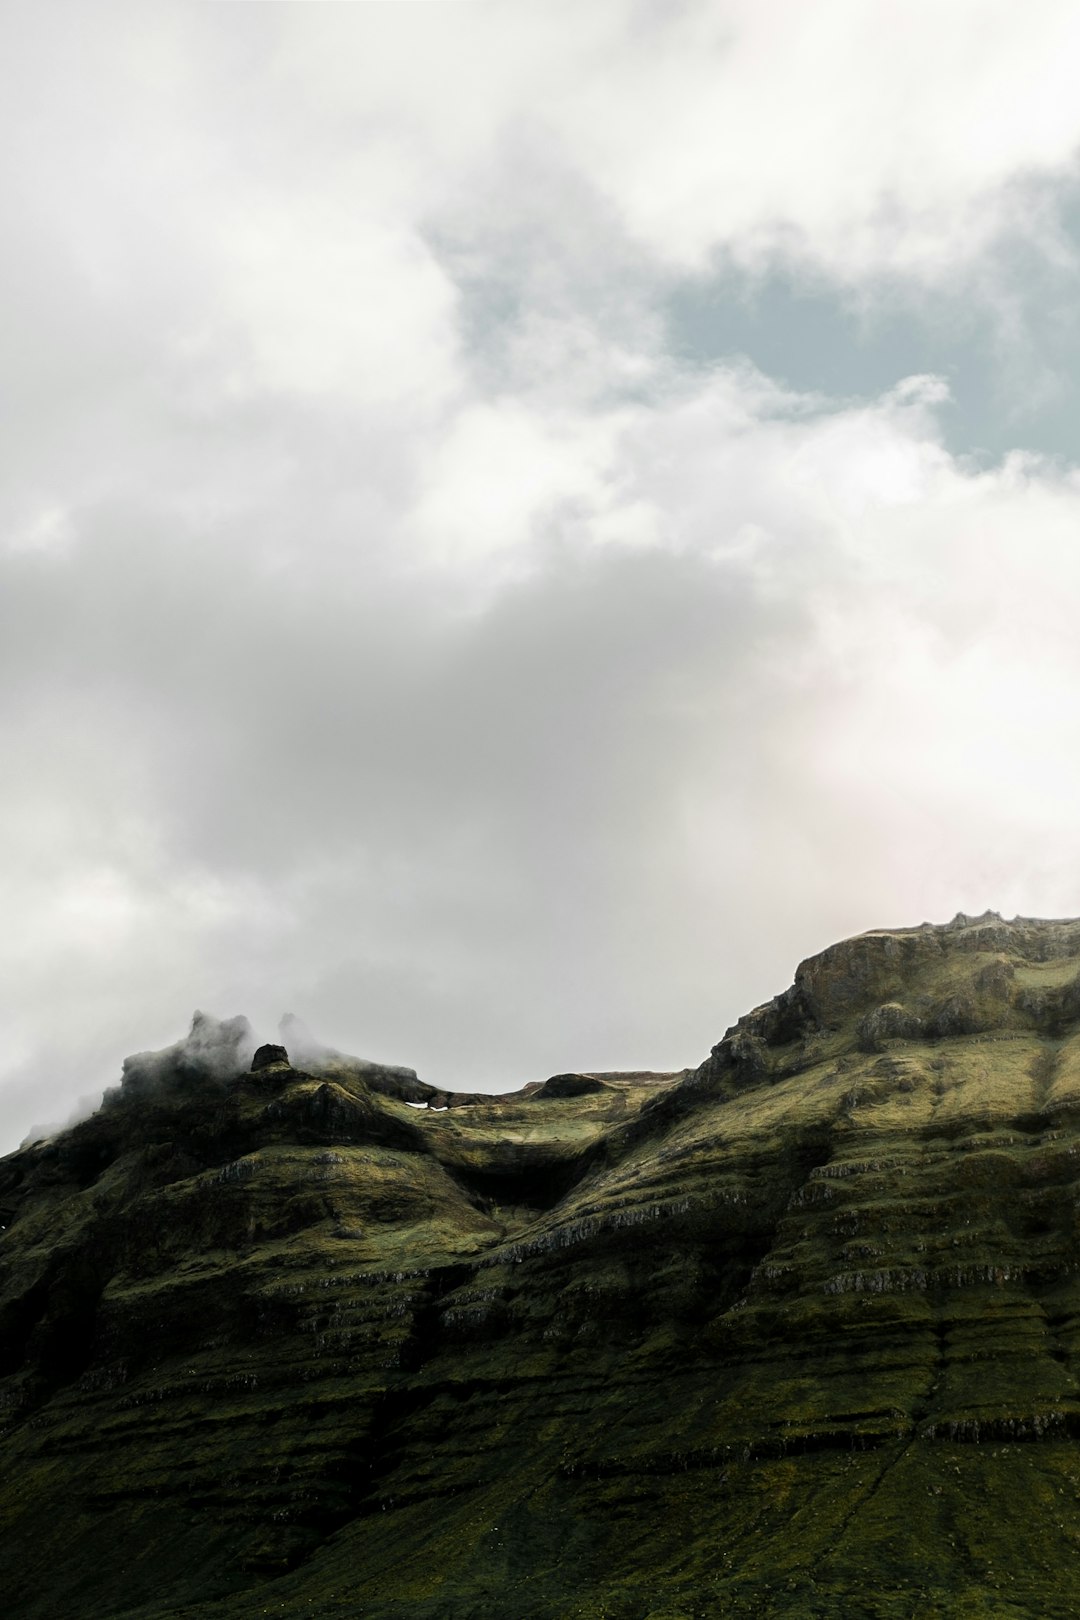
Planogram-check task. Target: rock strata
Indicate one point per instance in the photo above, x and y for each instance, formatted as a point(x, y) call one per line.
point(793, 1333)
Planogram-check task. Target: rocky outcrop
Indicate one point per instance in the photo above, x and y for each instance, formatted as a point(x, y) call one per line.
point(573, 1085)
point(795, 1333)
point(269, 1057)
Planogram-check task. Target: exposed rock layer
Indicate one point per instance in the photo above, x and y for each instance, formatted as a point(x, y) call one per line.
point(795, 1333)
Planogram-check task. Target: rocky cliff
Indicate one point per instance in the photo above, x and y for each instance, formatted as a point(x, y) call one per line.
point(795, 1333)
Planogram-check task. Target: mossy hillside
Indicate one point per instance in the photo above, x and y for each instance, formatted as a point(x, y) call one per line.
point(790, 1334)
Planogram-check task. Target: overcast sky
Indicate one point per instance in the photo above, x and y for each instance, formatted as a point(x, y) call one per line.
point(518, 522)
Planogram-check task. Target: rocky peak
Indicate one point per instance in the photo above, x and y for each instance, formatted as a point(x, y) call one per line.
point(269, 1057)
point(970, 976)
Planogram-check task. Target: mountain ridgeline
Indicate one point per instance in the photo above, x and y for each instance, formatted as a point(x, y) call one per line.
point(795, 1333)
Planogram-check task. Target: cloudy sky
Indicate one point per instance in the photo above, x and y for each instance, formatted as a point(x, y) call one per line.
point(519, 521)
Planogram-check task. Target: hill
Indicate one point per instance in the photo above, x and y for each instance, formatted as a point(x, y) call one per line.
point(794, 1333)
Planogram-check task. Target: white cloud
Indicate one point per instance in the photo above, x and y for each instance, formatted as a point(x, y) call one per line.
point(867, 140)
point(507, 476)
point(894, 139)
point(393, 631)
point(825, 683)
point(334, 300)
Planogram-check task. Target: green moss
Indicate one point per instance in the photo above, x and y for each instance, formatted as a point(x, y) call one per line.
point(794, 1335)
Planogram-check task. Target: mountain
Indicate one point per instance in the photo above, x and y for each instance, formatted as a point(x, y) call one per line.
point(794, 1333)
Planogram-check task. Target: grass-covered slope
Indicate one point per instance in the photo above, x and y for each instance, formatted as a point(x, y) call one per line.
point(791, 1334)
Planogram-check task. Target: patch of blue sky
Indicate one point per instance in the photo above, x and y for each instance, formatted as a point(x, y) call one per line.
point(1006, 340)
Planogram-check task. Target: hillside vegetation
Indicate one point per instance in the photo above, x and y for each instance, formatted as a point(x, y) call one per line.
point(795, 1333)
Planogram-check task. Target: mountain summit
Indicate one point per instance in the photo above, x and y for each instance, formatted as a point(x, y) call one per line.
point(795, 1333)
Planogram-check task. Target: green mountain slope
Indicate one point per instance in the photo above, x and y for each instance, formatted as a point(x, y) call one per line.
point(795, 1333)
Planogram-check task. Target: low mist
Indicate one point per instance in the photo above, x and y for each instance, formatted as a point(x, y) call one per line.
point(214, 1049)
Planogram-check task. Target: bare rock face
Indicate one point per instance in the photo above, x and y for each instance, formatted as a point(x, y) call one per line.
point(890, 1022)
point(873, 968)
point(795, 1333)
point(971, 976)
point(269, 1056)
